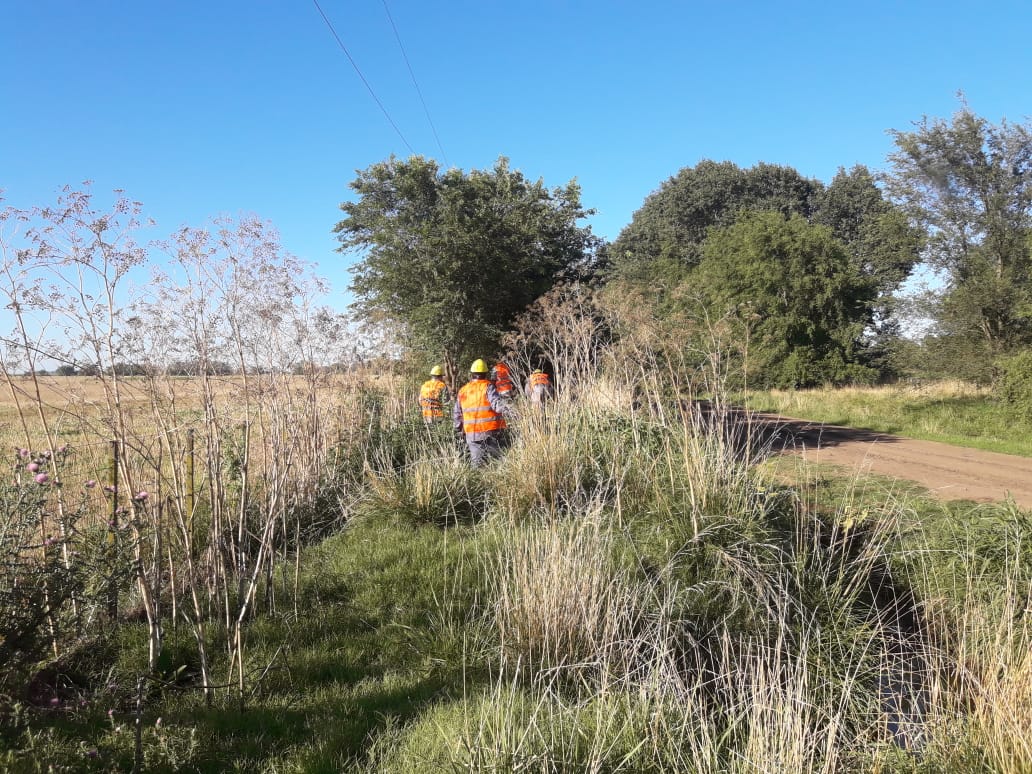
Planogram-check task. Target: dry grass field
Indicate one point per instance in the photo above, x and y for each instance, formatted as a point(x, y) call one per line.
point(70, 403)
point(263, 418)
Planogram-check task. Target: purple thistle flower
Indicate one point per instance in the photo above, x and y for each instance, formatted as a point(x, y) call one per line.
point(141, 496)
point(32, 467)
point(42, 478)
point(90, 484)
point(23, 452)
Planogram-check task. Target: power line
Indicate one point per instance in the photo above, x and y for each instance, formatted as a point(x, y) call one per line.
point(357, 70)
point(422, 101)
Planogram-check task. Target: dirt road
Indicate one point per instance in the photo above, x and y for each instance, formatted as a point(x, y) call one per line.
point(948, 472)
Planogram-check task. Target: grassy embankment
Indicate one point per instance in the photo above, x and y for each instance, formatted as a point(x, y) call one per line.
point(623, 592)
point(951, 412)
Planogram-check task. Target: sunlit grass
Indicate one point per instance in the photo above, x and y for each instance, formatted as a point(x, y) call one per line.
point(951, 412)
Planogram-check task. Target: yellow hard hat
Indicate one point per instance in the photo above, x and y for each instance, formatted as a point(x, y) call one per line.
point(436, 371)
point(478, 367)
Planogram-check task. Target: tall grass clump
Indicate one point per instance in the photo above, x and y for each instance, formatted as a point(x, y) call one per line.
point(994, 661)
point(565, 601)
point(754, 707)
point(442, 491)
point(971, 567)
point(565, 461)
point(417, 473)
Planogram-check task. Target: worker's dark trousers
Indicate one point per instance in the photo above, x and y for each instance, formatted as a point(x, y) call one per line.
point(484, 450)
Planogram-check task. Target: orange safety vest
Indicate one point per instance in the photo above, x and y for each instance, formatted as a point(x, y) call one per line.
point(503, 379)
point(536, 380)
point(430, 399)
point(477, 414)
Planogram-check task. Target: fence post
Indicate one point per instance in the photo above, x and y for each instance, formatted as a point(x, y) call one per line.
point(112, 602)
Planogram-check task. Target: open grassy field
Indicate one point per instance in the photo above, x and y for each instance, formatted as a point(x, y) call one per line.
point(951, 412)
point(71, 402)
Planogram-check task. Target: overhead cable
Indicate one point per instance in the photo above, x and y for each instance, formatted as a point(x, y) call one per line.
point(422, 101)
point(357, 70)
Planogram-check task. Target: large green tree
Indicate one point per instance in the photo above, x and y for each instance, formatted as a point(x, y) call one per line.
point(665, 236)
point(969, 182)
point(669, 234)
point(452, 258)
point(882, 242)
point(797, 293)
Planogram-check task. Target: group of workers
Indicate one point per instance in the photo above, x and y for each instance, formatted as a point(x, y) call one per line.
point(482, 405)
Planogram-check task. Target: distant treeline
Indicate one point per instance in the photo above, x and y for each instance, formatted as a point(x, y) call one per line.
point(216, 368)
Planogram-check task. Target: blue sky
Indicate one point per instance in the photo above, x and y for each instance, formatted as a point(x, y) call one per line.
point(203, 109)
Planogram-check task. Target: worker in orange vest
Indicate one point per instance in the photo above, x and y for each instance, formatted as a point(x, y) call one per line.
point(433, 395)
point(502, 378)
point(479, 415)
point(539, 389)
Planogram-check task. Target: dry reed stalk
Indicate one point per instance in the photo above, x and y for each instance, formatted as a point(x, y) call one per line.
point(988, 702)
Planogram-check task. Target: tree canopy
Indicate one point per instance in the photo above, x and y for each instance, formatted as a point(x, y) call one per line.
point(452, 258)
point(882, 242)
point(969, 183)
point(672, 233)
point(665, 236)
point(798, 294)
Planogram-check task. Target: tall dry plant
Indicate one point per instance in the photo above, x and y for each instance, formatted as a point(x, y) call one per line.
point(65, 275)
point(565, 330)
point(977, 701)
point(246, 307)
point(216, 470)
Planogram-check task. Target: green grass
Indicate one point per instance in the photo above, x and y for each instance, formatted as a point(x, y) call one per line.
point(383, 615)
point(950, 414)
point(950, 551)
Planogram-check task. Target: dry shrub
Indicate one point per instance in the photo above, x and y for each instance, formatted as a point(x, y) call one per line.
point(441, 490)
point(564, 601)
point(566, 328)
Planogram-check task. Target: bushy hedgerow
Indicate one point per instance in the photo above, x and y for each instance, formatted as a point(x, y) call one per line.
point(1015, 384)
